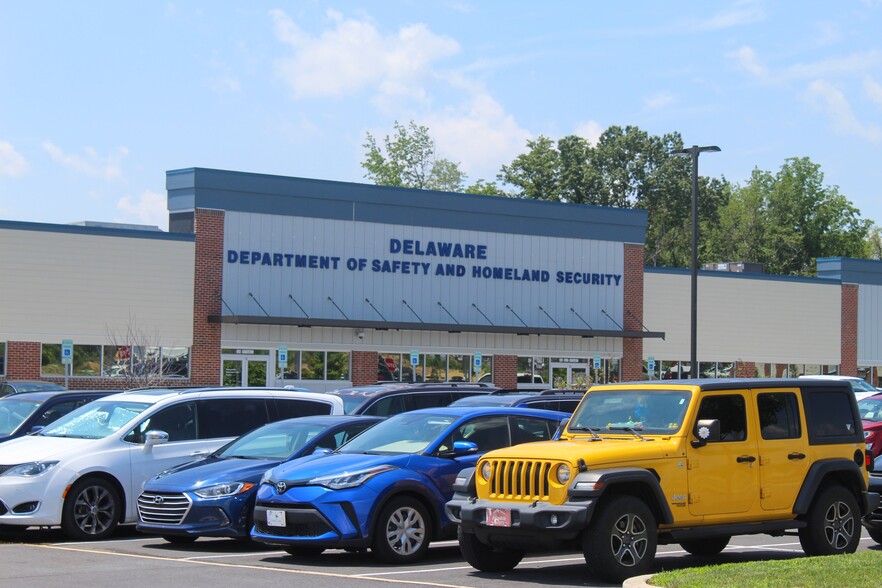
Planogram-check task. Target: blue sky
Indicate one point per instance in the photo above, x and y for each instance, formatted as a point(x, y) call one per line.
point(99, 99)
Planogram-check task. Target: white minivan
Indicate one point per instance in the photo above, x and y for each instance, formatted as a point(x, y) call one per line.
point(85, 470)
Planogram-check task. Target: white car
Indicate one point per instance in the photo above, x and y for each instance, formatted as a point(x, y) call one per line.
point(859, 386)
point(85, 470)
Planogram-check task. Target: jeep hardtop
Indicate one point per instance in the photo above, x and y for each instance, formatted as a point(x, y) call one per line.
point(692, 462)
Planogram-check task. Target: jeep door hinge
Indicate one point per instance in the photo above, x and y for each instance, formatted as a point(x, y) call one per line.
point(765, 460)
point(694, 498)
point(691, 464)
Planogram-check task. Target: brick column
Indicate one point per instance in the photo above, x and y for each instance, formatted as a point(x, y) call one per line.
point(205, 368)
point(23, 359)
point(364, 368)
point(745, 369)
point(505, 371)
point(632, 349)
point(849, 335)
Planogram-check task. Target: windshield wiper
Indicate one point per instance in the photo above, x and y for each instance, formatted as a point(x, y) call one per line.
point(634, 430)
point(594, 435)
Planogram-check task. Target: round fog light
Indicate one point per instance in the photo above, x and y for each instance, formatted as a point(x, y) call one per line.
point(552, 519)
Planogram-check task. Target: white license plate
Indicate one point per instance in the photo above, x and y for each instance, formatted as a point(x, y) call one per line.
point(498, 517)
point(275, 518)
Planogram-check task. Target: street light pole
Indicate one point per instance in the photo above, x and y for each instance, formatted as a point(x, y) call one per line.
point(693, 347)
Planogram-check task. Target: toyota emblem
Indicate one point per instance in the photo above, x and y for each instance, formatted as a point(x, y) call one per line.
point(158, 500)
point(281, 487)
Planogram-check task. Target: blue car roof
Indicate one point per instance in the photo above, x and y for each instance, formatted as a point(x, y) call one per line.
point(332, 419)
point(462, 411)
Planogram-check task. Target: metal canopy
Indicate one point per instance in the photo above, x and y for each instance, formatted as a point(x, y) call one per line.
point(445, 327)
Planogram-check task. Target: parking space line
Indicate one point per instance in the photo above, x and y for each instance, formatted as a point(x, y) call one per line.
point(247, 567)
point(251, 553)
point(448, 569)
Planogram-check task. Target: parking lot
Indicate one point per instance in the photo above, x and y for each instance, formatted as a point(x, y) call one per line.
point(47, 559)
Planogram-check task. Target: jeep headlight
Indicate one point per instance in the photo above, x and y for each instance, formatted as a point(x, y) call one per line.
point(562, 474)
point(221, 490)
point(349, 479)
point(486, 470)
point(30, 469)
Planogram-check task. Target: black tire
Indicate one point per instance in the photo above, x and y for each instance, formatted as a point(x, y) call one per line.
point(91, 510)
point(875, 535)
point(179, 539)
point(485, 558)
point(833, 523)
point(402, 532)
point(621, 540)
point(706, 547)
point(304, 551)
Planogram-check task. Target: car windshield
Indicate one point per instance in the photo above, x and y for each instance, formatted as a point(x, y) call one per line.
point(862, 386)
point(403, 433)
point(95, 420)
point(275, 441)
point(871, 409)
point(14, 412)
point(650, 411)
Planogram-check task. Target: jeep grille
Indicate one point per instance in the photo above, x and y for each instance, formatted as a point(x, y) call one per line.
point(514, 479)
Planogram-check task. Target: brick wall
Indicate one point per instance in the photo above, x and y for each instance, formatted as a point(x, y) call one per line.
point(205, 368)
point(745, 369)
point(23, 360)
point(364, 367)
point(632, 349)
point(849, 335)
point(505, 371)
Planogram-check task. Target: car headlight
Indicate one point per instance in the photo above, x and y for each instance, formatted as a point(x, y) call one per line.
point(562, 473)
point(220, 490)
point(486, 470)
point(267, 477)
point(34, 468)
point(349, 479)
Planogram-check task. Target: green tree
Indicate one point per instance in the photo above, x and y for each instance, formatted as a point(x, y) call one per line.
point(535, 174)
point(874, 243)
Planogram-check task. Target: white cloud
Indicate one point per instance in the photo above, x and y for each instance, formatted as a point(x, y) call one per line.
point(479, 134)
point(12, 163)
point(742, 13)
point(831, 101)
point(873, 90)
point(150, 208)
point(91, 164)
point(855, 63)
point(745, 57)
point(590, 131)
point(353, 54)
point(659, 101)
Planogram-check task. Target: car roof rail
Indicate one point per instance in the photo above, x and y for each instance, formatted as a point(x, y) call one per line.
point(563, 391)
point(506, 391)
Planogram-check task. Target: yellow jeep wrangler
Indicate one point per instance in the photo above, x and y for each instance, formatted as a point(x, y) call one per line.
point(692, 462)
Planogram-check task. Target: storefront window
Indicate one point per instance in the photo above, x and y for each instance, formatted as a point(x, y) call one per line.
point(707, 369)
point(175, 362)
point(86, 360)
point(434, 367)
point(389, 367)
point(291, 370)
point(50, 361)
point(312, 365)
point(145, 360)
point(2, 359)
point(459, 368)
point(338, 365)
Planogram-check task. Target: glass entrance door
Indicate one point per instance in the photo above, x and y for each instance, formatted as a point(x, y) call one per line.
point(569, 375)
point(241, 371)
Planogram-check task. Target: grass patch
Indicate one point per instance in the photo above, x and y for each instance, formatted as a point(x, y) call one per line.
point(858, 570)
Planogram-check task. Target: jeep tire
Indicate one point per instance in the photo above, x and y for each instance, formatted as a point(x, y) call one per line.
point(486, 558)
point(706, 547)
point(833, 523)
point(621, 540)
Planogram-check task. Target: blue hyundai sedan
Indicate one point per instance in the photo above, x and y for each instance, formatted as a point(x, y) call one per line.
point(214, 497)
point(386, 489)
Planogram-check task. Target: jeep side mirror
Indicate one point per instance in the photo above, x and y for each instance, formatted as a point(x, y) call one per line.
point(705, 431)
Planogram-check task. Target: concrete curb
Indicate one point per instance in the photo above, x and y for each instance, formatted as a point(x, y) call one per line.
point(637, 582)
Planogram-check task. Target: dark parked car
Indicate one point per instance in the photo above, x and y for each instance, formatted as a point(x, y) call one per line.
point(16, 387)
point(552, 399)
point(22, 412)
point(214, 497)
point(873, 521)
point(394, 398)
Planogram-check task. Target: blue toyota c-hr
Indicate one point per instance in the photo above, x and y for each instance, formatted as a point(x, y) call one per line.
point(386, 489)
point(214, 496)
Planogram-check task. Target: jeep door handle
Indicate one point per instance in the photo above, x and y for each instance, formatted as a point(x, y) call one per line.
point(745, 459)
point(796, 455)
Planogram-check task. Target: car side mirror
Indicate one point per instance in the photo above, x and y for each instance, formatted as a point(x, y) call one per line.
point(322, 451)
point(152, 438)
point(36, 429)
point(706, 431)
point(464, 448)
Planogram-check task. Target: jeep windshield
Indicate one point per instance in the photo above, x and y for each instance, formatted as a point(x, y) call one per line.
point(95, 420)
point(644, 410)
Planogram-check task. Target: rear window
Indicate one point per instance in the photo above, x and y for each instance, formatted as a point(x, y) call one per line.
point(831, 417)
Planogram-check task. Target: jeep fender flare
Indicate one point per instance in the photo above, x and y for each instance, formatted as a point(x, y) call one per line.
point(844, 471)
point(639, 482)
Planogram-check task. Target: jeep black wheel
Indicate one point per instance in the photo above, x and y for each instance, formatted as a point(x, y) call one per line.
point(304, 551)
point(486, 558)
point(833, 523)
point(91, 510)
point(706, 547)
point(402, 532)
point(875, 535)
point(620, 542)
point(179, 539)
